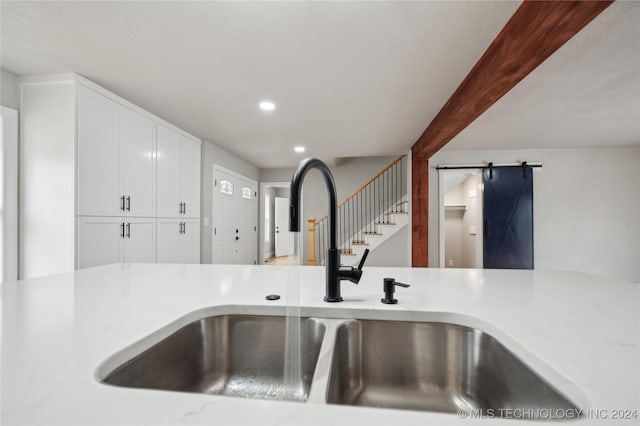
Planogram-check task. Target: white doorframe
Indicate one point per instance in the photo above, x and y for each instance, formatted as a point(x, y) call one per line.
point(216, 168)
point(441, 213)
point(261, 241)
point(9, 182)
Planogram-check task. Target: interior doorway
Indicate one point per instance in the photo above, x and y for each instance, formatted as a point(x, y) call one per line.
point(461, 219)
point(234, 221)
point(275, 238)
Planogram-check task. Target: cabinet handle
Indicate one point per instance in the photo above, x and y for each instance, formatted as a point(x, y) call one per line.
point(184, 228)
point(237, 238)
point(128, 230)
point(122, 229)
point(180, 208)
point(122, 203)
point(128, 203)
point(184, 208)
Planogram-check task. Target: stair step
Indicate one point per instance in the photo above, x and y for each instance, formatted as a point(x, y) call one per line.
point(347, 254)
point(359, 243)
point(385, 223)
point(373, 234)
point(398, 213)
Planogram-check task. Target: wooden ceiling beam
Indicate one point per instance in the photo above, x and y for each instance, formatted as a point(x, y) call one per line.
point(535, 31)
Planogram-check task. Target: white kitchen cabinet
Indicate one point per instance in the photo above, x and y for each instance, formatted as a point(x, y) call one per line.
point(91, 161)
point(99, 240)
point(178, 241)
point(139, 240)
point(116, 150)
point(98, 155)
point(137, 165)
point(190, 242)
point(190, 181)
point(178, 163)
point(106, 240)
point(169, 166)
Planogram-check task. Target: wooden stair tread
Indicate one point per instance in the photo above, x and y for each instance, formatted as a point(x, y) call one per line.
point(398, 213)
point(373, 234)
point(359, 244)
point(385, 223)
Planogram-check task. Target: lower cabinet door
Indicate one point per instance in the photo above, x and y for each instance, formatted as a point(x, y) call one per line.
point(168, 237)
point(190, 242)
point(100, 241)
point(140, 240)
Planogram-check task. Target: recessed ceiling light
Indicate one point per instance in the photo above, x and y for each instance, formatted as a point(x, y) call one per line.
point(267, 106)
point(299, 149)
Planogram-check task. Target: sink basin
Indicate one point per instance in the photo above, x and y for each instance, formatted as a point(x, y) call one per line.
point(433, 366)
point(236, 355)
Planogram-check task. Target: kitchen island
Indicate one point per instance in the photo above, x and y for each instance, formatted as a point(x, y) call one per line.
point(579, 332)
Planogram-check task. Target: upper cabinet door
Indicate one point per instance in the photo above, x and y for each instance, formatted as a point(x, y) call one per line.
point(98, 190)
point(191, 177)
point(137, 165)
point(168, 166)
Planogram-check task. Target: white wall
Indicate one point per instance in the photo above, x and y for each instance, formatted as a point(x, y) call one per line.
point(9, 197)
point(9, 90)
point(213, 154)
point(47, 185)
point(586, 207)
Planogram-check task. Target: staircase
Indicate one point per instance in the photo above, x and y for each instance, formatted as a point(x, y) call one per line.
point(367, 218)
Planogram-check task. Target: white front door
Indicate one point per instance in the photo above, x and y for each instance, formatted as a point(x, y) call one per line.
point(234, 219)
point(283, 236)
point(225, 219)
point(248, 222)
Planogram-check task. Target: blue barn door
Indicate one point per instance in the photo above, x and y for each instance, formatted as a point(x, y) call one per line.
point(508, 218)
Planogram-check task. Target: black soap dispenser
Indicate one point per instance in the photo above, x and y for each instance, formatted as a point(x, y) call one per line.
point(389, 288)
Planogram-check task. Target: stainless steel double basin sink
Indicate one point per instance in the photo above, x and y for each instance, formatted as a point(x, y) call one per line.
point(403, 364)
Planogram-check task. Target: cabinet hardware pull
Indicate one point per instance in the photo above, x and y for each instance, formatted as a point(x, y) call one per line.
point(129, 230)
point(184, 208)
point(122, 230)
point(184, 228)
point(122, 203)
point(128, 203)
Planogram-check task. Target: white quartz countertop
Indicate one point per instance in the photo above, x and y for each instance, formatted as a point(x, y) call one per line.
point(579, 332)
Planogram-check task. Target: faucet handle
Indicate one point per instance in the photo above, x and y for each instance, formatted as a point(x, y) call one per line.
point(364, 258)
point(350, 273)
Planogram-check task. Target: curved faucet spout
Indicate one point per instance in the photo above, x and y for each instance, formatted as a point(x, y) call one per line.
point(296, 191)
point(334, 272)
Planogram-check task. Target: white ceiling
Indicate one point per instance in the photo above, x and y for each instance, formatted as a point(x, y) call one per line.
point(348, 78)
point(587, 94)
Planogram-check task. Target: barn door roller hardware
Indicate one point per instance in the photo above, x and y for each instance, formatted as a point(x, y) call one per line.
point(524, 165)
